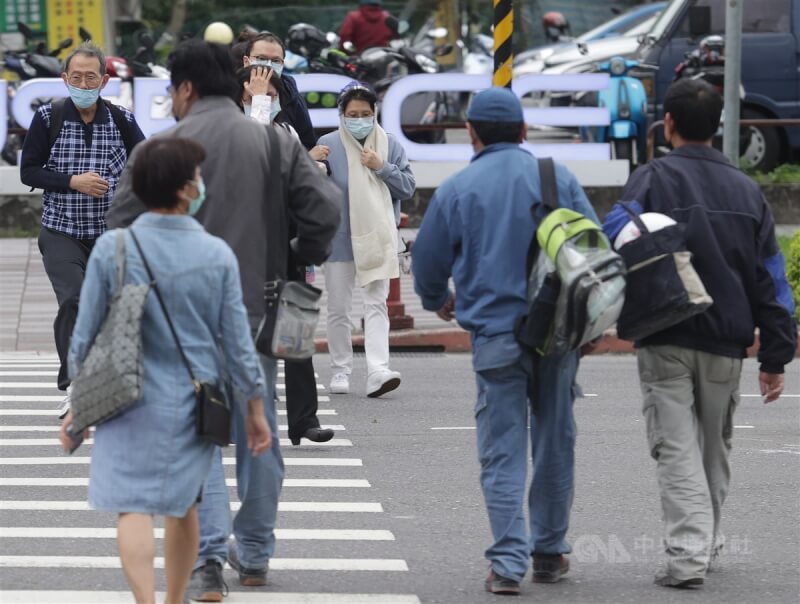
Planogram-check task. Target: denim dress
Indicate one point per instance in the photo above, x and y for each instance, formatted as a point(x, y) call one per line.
point(150, 459)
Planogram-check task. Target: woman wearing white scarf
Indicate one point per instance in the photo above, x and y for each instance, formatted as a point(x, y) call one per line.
point(371, 168)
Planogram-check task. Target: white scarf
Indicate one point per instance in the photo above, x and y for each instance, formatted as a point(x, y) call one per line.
point(372, 225)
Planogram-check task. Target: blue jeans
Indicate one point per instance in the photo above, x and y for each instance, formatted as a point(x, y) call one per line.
point(504, 426)
point(258, 483)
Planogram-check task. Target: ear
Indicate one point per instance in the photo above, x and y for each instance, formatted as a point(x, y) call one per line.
point(669, 126)
point(104, 81)
point(246, 60)
point(64, 77)
point(523, 133)
point(473, 136)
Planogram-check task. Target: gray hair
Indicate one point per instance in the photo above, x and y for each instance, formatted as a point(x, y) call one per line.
point(87, 49)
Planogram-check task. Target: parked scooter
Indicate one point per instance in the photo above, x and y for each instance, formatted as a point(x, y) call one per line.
point(39, 63)
point(707, 62)
point(626, 101)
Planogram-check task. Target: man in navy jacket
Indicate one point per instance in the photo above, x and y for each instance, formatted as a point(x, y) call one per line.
point(690, 372)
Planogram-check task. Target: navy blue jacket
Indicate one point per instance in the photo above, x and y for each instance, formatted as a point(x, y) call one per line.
point(731, 234)
point(295, 110)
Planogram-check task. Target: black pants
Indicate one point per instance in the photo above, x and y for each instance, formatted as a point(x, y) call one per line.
point(301, 397)
point(64, 259)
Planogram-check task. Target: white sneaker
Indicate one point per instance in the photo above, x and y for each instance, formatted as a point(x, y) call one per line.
point(381, 382)
point(65, 406)
point(340, 383)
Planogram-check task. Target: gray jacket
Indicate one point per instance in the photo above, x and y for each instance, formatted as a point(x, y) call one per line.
point(396, 173)
point(236, 173)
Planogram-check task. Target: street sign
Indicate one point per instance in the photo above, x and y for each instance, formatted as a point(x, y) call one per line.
point(65, 16)
point(32, 13)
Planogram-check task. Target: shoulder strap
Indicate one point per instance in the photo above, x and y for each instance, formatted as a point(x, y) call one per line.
point(154, 285)
point(123, 125)
point(120, 258)
point(547, 178)
point(277, 232)
point(56, 121)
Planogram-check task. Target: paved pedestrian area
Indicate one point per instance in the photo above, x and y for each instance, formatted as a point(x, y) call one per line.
point(28, 305)
point(328, 523)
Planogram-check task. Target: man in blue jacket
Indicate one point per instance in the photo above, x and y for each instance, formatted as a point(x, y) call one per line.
point(478, 228)
point(690, 372)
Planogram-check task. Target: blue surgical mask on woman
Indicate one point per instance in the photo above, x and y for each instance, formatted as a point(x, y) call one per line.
point(83, 98)
point(274, 109)
point(196, 203)
point(276, 67)
point(359, 127)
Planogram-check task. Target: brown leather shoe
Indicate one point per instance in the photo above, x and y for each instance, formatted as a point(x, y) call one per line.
point(549, 569)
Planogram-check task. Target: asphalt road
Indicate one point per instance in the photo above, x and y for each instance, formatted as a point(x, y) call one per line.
point(433, 522)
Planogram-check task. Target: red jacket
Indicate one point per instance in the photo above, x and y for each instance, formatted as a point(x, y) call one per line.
point(366, 28)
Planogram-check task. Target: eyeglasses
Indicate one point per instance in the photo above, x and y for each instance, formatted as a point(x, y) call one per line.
point(92, 80)
point(275, 60)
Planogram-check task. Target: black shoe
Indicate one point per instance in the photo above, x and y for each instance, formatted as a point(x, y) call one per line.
point(249, 577)
point(317, 435)
point(549, 569)
point(207, 584)
point(501, 586)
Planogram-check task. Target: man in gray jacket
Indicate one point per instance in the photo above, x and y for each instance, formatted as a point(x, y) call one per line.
point(239, 182)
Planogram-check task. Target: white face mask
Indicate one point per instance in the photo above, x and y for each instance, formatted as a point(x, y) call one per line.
point(276, 67)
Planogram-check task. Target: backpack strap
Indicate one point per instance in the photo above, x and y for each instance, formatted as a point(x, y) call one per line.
point(123, 125)
point(117, 114)
point(56, 121)
point(549, 190)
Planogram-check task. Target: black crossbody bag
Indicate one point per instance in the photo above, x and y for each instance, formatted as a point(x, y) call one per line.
point(212, 415)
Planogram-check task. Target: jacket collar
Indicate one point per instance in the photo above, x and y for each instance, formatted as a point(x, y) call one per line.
point(213, 103)
point(182, 222)
point(700, 151)
point(495, 148)
point(100, 115)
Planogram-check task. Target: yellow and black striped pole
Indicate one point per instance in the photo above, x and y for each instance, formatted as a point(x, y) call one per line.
point(503, 30)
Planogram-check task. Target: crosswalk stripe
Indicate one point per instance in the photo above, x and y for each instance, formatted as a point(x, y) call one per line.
point(43, 532)
point(283, 506)
point(340, 564)
point(124, 597)
point(57, 428)
point(54, 442)
point(228, 461)
point(82, 481)
point(283, 387)
point(58, 399)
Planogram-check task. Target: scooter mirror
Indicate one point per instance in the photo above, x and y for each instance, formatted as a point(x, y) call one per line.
point(66, 43)
point(444, 49)
point(84, 34)
point(403, 27)
point(146, 40)
point(25, 30)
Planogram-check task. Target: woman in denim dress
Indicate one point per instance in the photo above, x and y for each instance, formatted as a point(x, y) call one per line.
point(149, 460)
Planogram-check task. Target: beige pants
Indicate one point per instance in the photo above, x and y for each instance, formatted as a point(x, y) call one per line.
point(689, 401)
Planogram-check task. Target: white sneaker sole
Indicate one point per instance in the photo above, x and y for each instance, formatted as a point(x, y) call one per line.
point(339, 389)
point(387, 386)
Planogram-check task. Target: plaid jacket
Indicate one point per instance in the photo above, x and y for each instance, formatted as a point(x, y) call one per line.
point(95, 147)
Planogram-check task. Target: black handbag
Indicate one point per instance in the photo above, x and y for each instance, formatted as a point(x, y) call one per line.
point(212, 415)
point(291, 308)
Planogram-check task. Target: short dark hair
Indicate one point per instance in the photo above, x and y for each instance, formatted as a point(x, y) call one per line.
point(695, 107)
point(206, 65)
point(265, 36)
point(243, 76)
point(357, 93)
point(87, 49)
point(163, 166)
point(491, 133)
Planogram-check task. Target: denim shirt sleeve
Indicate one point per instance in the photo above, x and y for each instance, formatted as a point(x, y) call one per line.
point(241, 358)
point(98, 285)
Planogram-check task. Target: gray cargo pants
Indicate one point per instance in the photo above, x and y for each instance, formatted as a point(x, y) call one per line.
point(689, 401)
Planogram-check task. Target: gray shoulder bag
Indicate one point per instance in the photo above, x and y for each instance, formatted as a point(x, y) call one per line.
point(112, 375)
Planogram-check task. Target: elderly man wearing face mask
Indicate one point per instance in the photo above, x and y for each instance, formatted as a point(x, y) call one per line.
point(75, 151)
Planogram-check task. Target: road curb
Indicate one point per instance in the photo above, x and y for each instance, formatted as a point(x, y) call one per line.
point(454, 339)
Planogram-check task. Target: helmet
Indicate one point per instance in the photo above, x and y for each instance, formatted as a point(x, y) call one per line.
point(713, 49)
point(555, 25)
point(218, 32)
point(306, 40)
point(654, 221)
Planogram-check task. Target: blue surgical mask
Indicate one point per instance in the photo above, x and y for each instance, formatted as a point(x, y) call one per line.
point(83, 98)
point(274, 109)
point(197, 202)
point(248, 109)
point(359, 127)
point(276, 67)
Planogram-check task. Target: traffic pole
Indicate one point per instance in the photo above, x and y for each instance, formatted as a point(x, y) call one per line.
point(733, 79)
point(503, 52)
